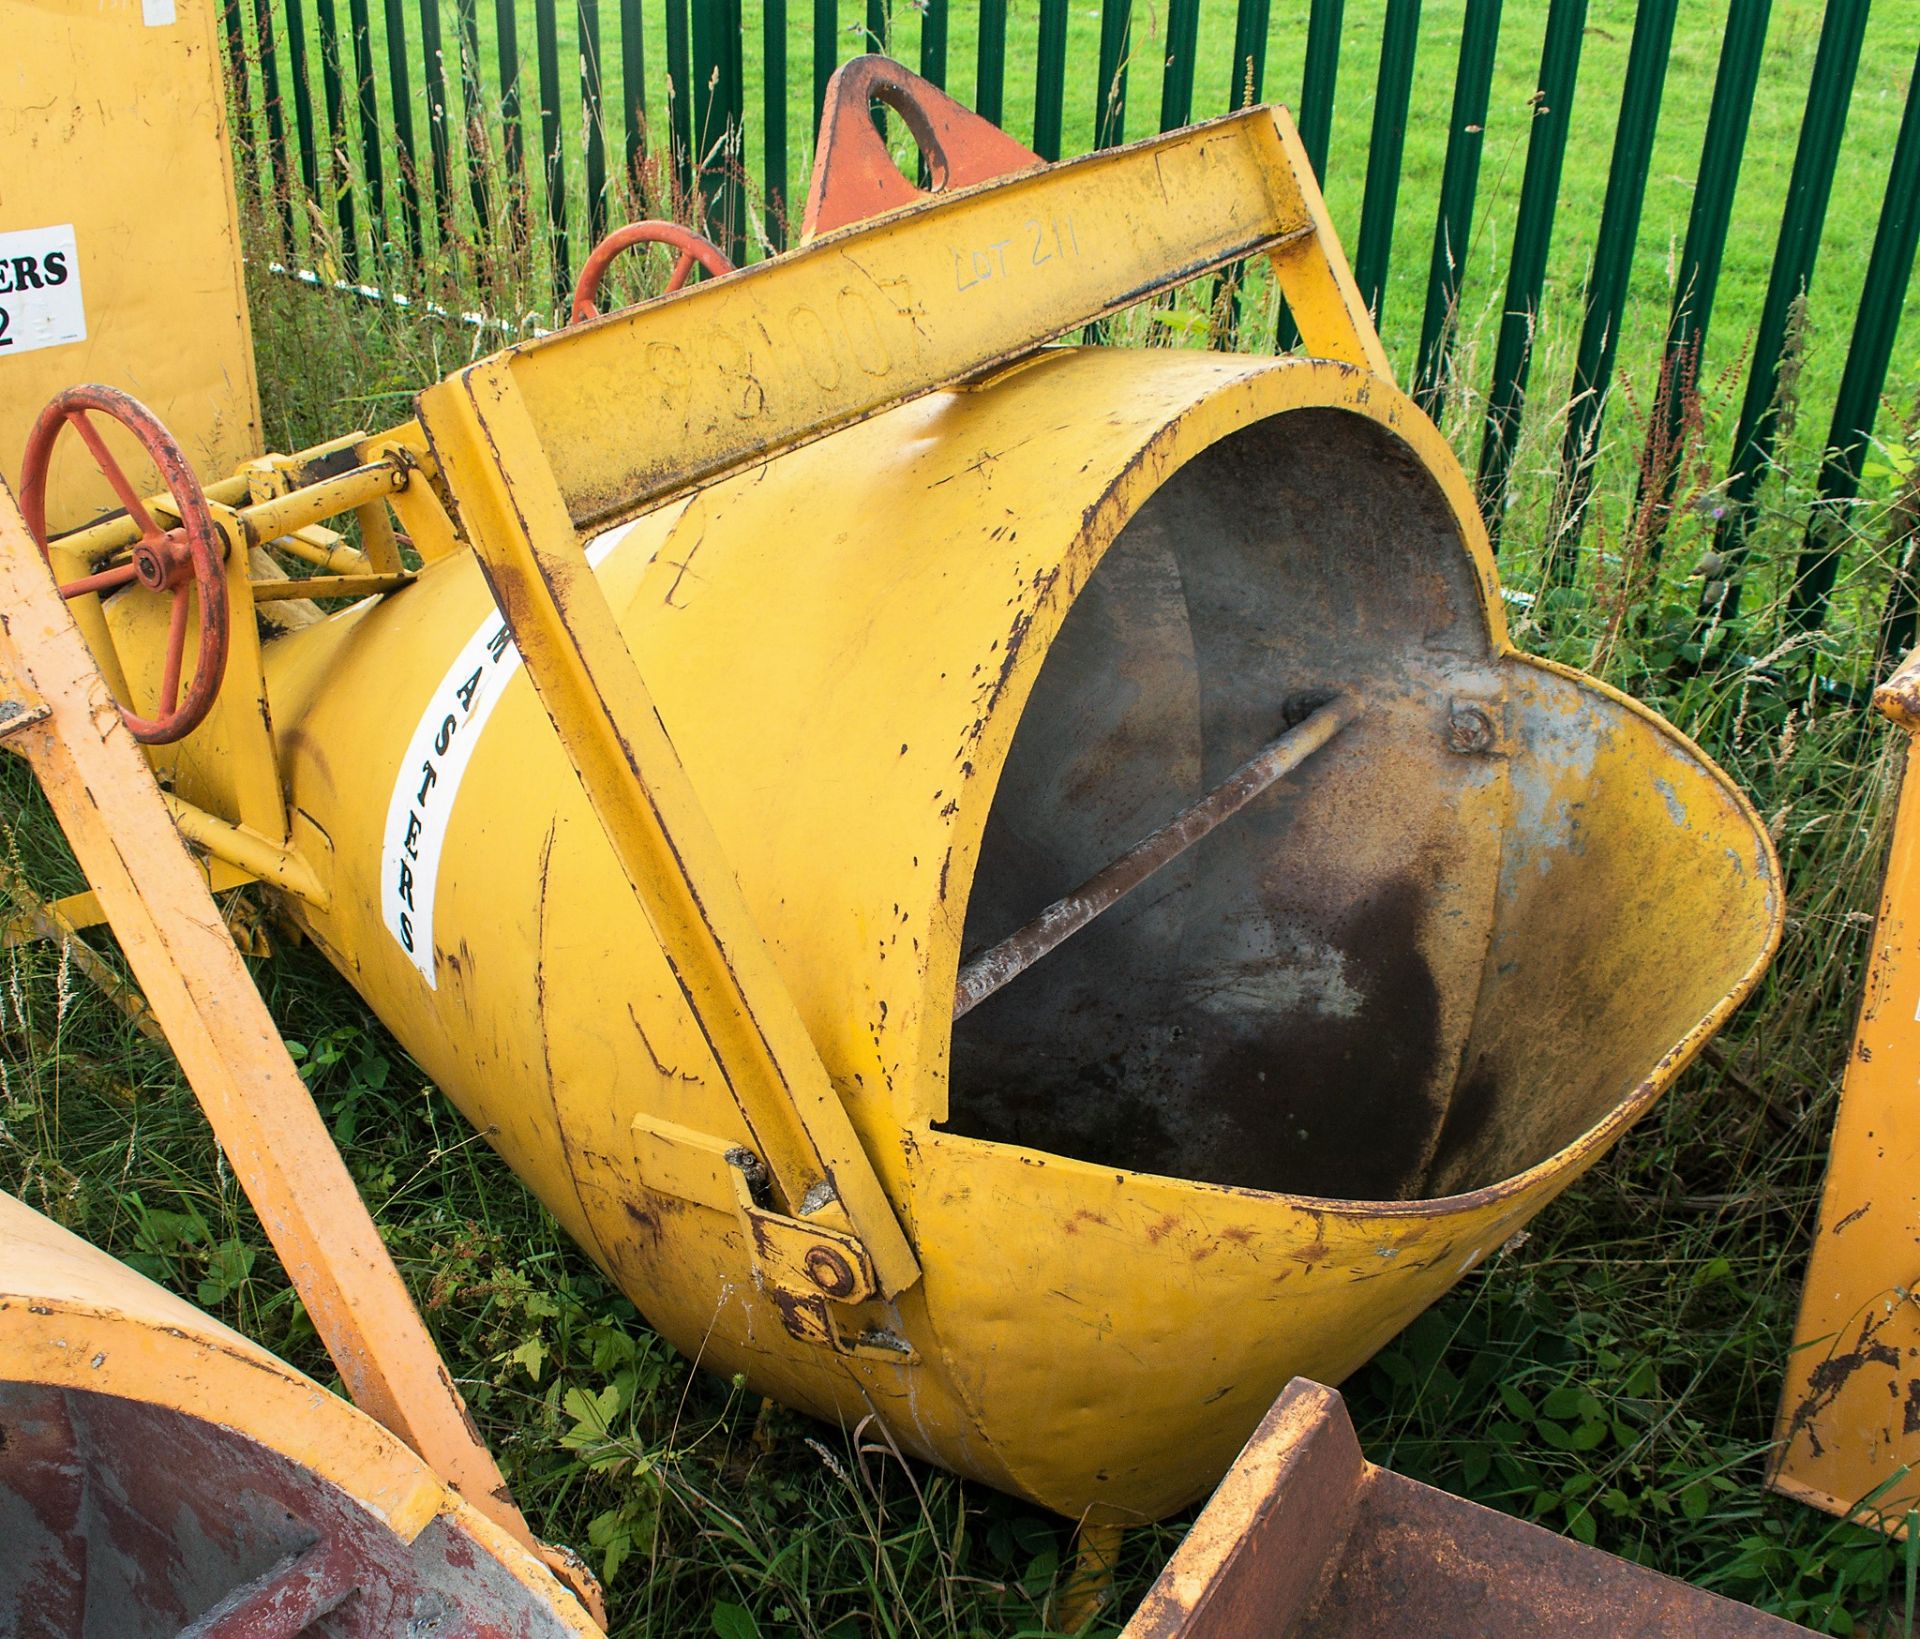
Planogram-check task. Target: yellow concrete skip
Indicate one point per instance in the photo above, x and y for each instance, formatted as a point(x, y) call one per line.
point(1017, 888)
point(1848, 1438)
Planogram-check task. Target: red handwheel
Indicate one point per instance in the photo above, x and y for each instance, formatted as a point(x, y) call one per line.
point(693, 248)
point(185, 561)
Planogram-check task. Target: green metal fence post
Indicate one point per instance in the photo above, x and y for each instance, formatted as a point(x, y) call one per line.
point(1699, 273)
point(1399, 38)
point(1532, 236)
point(775, 162)
point(826, 52)
point(1247, 75)
point(303, 106)
point(553, 156)
point(633, 93)
point(1110, 90)
point(1050, 78)
point(233, 32)
point(399, 83)
point(1612, 266)
point(879, 27)
point(1246, 78)
point(367, 98)
point(340, 170)
point(736, 87)
point(1825, 121)
point(1459, 183)
point(1176, 78)
point(1318, 82)
point(276, 119)
point(593, 117)
point(440, 156)
point(680, 102)
point(473, 109)
point(933, 43)
point(717, 121)
point(1875, 326)
point(991, 71)
point(512, 138)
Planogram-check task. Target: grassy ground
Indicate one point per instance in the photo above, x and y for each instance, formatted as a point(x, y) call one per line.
point(1613, 1373)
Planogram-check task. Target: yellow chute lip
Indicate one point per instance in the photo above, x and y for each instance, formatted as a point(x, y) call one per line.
point(1597, 1138)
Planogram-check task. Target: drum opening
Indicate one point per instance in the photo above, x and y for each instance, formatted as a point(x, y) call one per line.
point(1284, 1004)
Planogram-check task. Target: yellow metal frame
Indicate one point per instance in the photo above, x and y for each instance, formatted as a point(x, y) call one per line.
point(279, 502)
point(1848, 1436)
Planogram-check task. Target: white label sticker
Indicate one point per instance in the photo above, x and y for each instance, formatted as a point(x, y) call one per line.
point(157, 13)
point(39, 290)
point(428, 781)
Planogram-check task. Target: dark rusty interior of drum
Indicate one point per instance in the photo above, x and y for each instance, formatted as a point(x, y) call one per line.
point(1291, 1003)
point(122, 1520)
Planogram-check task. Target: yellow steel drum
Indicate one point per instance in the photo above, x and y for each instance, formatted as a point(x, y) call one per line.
point(927, 674)
point(923, 675)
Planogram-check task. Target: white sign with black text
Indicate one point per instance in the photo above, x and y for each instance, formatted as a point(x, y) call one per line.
point(40, 302)
point(421, 807)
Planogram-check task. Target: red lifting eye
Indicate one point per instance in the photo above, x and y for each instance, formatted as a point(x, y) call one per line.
point(692, 247)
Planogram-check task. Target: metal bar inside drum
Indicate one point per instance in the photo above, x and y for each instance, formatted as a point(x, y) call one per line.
point(999, 965)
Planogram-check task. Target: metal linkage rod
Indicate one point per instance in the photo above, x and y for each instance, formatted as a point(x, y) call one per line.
point(1001, 964)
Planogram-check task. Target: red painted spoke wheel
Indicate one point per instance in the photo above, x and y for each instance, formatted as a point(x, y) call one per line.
point(693, 248)
point(182, 562)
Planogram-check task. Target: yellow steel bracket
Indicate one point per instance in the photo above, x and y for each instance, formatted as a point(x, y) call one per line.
point(57, 713)
point(576, 431)
point(801, 1265)
point(1848, 1438)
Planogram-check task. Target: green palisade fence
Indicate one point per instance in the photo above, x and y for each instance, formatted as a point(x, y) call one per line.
point(393, 142)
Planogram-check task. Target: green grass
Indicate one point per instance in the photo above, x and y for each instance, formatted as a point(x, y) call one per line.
point(1613, 1373)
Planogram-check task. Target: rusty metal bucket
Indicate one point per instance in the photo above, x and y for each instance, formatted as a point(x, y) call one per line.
point(1306, 1539)
point(160, 1475)
point(1021, 889)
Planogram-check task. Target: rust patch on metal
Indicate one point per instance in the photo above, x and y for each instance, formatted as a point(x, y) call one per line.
point(854, 177)
point(1832, 1375)
point(133, 1519)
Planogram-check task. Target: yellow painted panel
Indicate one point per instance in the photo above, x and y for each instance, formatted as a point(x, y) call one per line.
point(113, 125)
point(1849, 1429)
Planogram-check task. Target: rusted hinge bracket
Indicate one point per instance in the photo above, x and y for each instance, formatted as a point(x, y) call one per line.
point(803, 1266)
